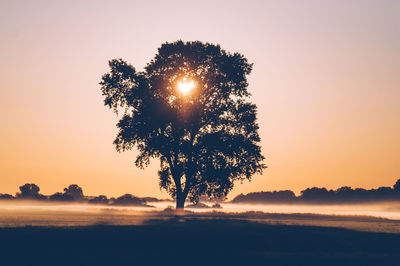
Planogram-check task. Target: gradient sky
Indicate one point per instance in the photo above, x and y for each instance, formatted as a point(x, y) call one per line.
point(326, 81)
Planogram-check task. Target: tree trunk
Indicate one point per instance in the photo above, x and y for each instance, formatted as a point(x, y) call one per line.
point(180, 201)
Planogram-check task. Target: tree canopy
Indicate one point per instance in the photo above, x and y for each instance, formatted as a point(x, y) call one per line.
point(205, 138)
point(30, 191)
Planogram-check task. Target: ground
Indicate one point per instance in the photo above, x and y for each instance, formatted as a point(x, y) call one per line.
point(197, 241)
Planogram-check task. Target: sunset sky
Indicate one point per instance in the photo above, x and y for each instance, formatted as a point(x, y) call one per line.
point(326, 80)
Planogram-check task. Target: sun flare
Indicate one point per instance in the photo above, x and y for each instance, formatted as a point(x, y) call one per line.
point(185, 86)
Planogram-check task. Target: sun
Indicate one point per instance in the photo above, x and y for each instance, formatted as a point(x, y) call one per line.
point(185, 86)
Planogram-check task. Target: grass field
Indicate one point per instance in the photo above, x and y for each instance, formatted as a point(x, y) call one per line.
point(203, 239)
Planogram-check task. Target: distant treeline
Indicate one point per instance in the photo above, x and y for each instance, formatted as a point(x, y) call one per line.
point(323, 195)
point(74, 193)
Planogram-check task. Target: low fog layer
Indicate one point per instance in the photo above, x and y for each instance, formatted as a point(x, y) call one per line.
point(370, 217)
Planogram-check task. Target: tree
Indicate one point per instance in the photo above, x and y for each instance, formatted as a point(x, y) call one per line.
point(74, 192)
point(189, 108)
point(128, 199)
point(316, 194)
point(102, 199)
point(30, 191)
point(6, 196)
point(58, 196)
point(396, 186)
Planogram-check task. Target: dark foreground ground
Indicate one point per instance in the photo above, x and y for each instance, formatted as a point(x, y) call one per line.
point(197, 242)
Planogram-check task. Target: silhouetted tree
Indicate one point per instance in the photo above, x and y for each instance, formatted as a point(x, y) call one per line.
point(102, 199)
point(206, 138)
point(284, 196)
point(128, 199)
point(74, 191)
point(71, 193)
point(6, 196)
point(396, 186)
point(316, 194)
point(30, 191)
point(58, 196)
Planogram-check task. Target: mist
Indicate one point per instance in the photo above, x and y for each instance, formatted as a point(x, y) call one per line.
point(368, 217)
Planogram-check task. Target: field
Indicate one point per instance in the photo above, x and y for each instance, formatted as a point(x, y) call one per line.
point(107, 236)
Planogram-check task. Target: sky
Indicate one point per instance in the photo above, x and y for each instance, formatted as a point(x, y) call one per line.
point(325, 79)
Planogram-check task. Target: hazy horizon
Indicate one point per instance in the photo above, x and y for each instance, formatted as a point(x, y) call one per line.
point(325, 82)
point(30, 212)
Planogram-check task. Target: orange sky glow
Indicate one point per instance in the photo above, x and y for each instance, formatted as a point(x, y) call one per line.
point(325, 79)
